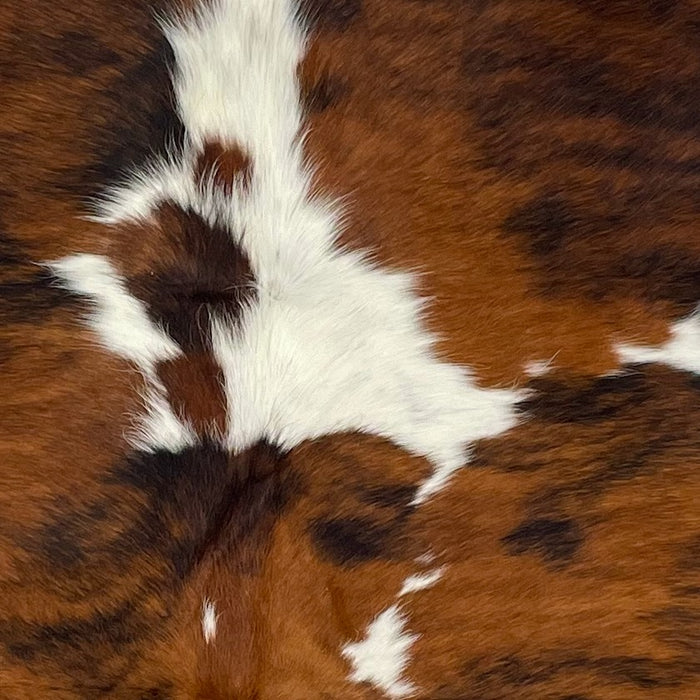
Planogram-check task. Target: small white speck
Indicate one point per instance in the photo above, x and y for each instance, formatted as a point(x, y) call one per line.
point(538, 368)
point(209, 618)
point(417, 582)
point(425, 559)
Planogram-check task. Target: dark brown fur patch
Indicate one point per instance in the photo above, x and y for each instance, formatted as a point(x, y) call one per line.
point(186, 271)
point(593, 251)
point(28, 292)
point(82, 53)
point(336, 15)
point(142, 124)
point(320, 89)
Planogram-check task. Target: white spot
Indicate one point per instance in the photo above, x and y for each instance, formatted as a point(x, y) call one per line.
point(419, 582)
point(382, 655)
point(209, 620)
point(681, 350)
point(538, 368)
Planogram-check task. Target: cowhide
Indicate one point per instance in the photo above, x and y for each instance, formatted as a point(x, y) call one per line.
point(349, 349)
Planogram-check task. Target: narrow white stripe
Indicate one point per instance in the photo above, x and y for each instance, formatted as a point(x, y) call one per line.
point(122, 326)
point(209, 620)
point(681, 350)
point(157, 427)
point(419, 582)
point(236, 75)
point(119, 319)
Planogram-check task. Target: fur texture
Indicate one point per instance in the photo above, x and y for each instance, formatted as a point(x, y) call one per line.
point(349, 350)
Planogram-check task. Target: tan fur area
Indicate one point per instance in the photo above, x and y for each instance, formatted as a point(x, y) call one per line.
point(537, 164)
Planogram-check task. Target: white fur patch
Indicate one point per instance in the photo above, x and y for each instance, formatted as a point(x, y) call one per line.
point(382, 655)
point(209, 621)
point(342, 349)
point(119, 319)
point(235, 76)
point(333, 343)
point(122, 326)
point(681, 350)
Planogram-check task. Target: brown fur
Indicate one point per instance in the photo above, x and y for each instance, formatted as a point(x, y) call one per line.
point(538, 161)
point(224, 165)
point(194, 386)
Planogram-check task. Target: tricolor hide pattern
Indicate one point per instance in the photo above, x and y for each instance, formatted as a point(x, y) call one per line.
point(350, 349)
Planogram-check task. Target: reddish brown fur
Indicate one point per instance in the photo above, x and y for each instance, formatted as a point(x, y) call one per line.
point(225, 165)
point(537, 160)
point(195, 389)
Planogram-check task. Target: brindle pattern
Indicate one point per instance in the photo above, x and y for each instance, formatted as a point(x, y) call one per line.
point(540, 161)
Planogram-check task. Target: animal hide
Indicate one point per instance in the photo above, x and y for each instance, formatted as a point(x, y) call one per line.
point(349, 349)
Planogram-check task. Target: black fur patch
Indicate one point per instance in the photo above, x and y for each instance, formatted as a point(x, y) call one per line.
point(128, 552)
point(632, 157)
point(143, 124)
point(31, 296)
point(565, 84)
point(28, 292)
point(325, 93)
point(94, 652)
point(336, 15)
point(556, 540)
point(549, 220)
point(586, 401)
point(514, 672)
point(199, 495)
point(396, 496)
point(81, 53)
point(351, 541)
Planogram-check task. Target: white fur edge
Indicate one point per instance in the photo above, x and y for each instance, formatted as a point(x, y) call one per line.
point(680, 351)
point(121, 325)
